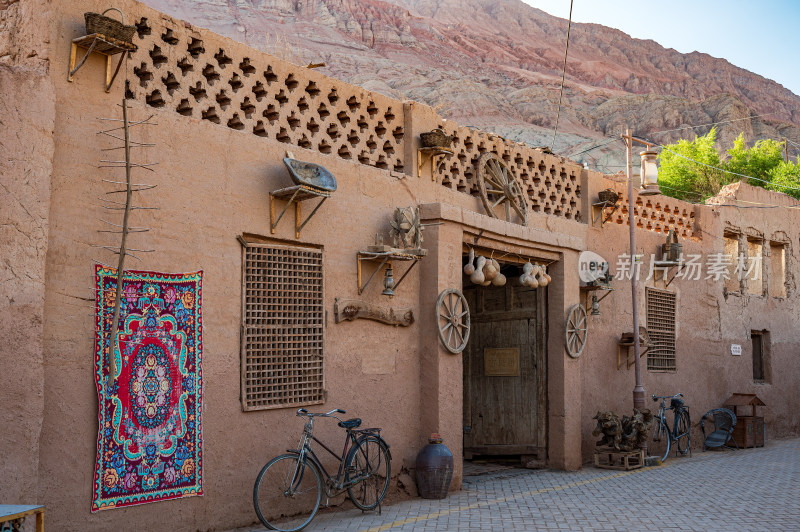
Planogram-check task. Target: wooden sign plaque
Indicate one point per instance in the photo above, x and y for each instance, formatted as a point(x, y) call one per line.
point(501, 362)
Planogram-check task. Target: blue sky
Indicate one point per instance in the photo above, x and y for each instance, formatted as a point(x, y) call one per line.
point(761, 36)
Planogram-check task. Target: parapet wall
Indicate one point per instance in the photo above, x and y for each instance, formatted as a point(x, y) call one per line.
point(200, 74)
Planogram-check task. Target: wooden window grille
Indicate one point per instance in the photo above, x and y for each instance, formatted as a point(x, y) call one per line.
point(661, 329)
point(282, 329)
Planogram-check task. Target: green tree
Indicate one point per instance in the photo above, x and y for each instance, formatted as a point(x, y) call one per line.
point(785, 178)
point(758, 161)
point(680, 177)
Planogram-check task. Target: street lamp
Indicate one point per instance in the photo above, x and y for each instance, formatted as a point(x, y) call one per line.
point(649, 178)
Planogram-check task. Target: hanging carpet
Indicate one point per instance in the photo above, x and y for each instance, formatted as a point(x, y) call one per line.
point(149, 443)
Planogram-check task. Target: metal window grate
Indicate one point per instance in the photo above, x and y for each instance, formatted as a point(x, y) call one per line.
point(282, 333)
point(661, 329)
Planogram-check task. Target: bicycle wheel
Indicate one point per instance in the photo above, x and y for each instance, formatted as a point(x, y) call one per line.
point(287, 493)
point(371, 462)
point(659, 444)
point(684, 441)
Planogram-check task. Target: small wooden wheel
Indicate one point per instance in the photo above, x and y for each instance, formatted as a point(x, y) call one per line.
point(498, 187)
point(453, 316)
point(576, 330)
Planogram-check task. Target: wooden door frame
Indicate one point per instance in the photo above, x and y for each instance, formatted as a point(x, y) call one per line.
point(538, 449)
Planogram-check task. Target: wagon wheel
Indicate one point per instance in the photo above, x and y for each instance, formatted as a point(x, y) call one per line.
point(498, 187)
point(453, 318)
point(576, 330)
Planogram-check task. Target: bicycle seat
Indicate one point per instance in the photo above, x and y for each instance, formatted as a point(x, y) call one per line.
point(350, 423)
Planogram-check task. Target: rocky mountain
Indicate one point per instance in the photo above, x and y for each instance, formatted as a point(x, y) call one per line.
point(496, 64)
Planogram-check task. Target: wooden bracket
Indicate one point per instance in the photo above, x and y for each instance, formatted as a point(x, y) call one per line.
point(296, 195)
point(431, 154)
point(600, 209)
point(101, 44)
point(387, 257)
point(626, 341)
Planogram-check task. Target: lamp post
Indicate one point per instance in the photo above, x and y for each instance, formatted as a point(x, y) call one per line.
point(649, 177)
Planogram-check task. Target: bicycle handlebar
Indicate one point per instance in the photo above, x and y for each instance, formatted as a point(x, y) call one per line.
point(657, 397)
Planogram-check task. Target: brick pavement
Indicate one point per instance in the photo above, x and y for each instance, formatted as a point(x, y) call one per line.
point(753, 489)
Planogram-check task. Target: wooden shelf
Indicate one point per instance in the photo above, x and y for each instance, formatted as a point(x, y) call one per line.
point(16, 512)
point(97, 42)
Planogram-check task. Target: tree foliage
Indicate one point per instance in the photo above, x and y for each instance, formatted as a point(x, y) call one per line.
point(686, 167)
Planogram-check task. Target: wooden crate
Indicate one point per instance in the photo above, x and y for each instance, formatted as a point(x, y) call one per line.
point(749, 431)
point(606, 458)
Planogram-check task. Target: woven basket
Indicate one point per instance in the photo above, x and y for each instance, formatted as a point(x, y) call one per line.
point(436, 139)
point(99, 23)
point(608, 195)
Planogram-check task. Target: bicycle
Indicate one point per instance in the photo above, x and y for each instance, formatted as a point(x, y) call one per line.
point(288, 490)
point(680, 433)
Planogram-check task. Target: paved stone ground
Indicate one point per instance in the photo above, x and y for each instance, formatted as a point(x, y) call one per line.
point(753, 489)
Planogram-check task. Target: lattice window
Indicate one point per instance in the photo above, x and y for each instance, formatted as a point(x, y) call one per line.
point(282, 332)
point(661, 329)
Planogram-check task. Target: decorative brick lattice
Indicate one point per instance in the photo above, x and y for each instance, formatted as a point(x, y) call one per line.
point(551, 184)
point(282, 333)
point(658, 214)
point(192, 73)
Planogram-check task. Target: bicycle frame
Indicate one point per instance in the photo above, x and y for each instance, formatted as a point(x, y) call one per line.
point(661, 417)
point(333, 485)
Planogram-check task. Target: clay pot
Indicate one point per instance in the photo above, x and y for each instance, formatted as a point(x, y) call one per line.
point(434, 469)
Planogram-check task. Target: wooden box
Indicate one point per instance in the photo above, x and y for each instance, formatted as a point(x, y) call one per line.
point(607, 458)
point(749, 431)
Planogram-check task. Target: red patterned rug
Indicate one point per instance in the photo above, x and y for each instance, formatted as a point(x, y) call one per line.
point(149, 444)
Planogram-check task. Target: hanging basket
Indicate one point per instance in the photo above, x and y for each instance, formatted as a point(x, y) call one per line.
point(436, 139)
point(99, 23)
point(608, 195)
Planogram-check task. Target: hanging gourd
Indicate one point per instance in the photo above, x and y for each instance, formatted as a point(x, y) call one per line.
point(544, 278)
point(469, 268)
point(477, 276)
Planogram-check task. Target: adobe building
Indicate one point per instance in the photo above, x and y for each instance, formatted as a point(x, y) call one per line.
point(225, 116)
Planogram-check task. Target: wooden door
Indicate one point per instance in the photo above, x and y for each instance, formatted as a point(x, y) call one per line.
point(505, 372)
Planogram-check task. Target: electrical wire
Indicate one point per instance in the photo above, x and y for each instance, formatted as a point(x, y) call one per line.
point(563, 74)
point(593, 148)
point(679, 129)
point(711, 124)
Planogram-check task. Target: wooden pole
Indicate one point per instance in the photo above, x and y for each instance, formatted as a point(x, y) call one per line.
point(112, 362)
point(785, 150)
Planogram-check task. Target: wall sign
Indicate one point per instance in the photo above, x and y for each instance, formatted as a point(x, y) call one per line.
point(736, 349)
point(501, 362)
